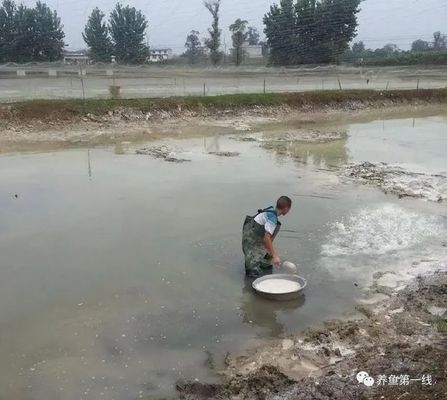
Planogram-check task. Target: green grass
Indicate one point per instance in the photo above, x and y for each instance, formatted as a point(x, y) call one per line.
point(68, 109)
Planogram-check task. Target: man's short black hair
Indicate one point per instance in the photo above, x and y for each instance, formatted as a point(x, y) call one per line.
point(283, 203)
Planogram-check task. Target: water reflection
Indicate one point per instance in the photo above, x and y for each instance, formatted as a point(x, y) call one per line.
point(211, 144)
point(265, 313)
point(136, 296)
point(319, 155)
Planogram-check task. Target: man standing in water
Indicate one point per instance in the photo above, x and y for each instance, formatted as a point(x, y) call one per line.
point(258, 234)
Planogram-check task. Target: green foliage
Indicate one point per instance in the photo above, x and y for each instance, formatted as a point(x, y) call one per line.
point(439, 42)
point(406, 58)
point(127, 27)
point(96, 35)
point(420, 46)
point(310, 31)
point(49, 34)
point(358, 48)
point(281, 31)
point(421, 53)
point(30, 34)
point(7, 30)
point(24, 35)
point(253, 36)
point(213, 42)
point(239, 36)
point(194, 50)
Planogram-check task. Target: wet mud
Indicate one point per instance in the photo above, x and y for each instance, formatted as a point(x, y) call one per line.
point(398, 341)
point(399, 181)
point(163, 152)
point(40, 128)
point(397, 330)
point(225, 153)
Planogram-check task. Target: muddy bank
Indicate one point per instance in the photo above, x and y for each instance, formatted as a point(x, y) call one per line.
point(163, 152)
point(400, 342)
point(94, 122)
point(162, 108)
point(398, 181)
point(299, 135)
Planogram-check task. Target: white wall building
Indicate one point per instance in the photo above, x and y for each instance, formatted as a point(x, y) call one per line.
point(252, 51)
point(76, 57)
point(159, 55)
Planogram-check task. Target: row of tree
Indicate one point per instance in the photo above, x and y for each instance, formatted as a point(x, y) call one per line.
point(124, 36)
point(297, 32)
point(422, 51)
point(310, 31)
point(439, 43)
point(30, 34)
point(241, 34)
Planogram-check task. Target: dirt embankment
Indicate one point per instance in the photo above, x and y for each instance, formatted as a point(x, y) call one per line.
point(76, 122)
point(401, 343)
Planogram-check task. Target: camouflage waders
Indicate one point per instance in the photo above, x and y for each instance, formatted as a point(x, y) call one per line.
point(257, 260)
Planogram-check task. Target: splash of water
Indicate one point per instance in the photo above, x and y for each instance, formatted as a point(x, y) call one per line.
point(380, 230)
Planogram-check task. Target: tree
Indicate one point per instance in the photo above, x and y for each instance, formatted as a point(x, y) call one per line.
point(280, 29)
point(310, 31)
point(439, 42)
point(25, 36)
point(239, 36)
point(420, 46)
point(390, 48)
point(30, 34)
point(193, 46)
point(127, 27)
point(325, 29)
point(48, 35)
point(358, 48)
point(213, 42)
point(96, 35)
point(253, 36)
point(7, 30)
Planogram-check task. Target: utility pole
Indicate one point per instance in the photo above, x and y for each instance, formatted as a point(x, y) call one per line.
point(225, 51)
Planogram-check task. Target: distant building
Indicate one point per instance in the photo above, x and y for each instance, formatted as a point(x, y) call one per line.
point(252, 51)
point(160, 55)
point(76, 57)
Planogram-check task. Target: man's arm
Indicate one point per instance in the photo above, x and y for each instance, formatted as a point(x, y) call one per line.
point(268, 244)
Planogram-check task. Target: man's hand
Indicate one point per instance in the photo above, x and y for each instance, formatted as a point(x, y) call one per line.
point(276, 260)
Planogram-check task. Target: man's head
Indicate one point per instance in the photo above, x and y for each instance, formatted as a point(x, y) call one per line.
point(283, 205)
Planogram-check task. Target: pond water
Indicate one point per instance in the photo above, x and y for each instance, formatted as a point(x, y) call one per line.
point(121, 274)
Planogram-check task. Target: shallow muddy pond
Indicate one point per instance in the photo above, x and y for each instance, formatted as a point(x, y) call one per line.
point(121, 273)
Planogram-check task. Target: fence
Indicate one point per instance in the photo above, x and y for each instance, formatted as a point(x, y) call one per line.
point(59, 82)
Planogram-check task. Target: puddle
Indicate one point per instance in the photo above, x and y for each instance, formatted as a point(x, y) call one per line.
point(123, 273)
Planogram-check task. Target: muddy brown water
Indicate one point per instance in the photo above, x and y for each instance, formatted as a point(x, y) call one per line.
point(121, 274)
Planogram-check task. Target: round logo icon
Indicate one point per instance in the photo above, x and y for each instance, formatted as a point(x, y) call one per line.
point(361, 376)
point(368, 381)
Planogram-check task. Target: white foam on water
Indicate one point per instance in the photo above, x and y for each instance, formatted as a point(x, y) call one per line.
point(380, 230)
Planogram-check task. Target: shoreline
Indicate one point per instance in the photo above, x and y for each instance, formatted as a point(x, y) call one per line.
point(402, 333)
point(52, 125)
point(400, 329)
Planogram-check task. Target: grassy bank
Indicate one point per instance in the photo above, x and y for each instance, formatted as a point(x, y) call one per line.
point(60, 110)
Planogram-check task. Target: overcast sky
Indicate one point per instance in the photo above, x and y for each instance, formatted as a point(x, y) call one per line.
point(380, 21)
